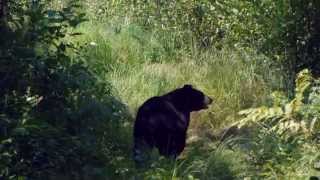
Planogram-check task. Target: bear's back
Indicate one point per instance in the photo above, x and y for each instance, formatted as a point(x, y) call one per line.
point(157, 114)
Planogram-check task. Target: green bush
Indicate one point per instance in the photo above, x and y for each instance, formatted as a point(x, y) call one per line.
point(286, 144)
point(53, 110)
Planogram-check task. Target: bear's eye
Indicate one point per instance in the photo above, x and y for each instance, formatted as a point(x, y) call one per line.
point(198, 96)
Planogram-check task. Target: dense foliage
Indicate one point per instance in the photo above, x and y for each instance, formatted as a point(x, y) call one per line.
point(53, 111)
point(285, 30)
point(72, 73)
point(288, 131)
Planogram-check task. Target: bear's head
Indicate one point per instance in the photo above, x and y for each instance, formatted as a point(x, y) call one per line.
point(195, 100)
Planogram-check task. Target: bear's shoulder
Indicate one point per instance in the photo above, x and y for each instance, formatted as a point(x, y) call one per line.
point(155, 103)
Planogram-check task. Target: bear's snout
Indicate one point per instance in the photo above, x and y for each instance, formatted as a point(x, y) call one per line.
point(207, 101)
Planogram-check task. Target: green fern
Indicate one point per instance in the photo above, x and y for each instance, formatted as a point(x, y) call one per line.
point(285, 144)
point(284, 115)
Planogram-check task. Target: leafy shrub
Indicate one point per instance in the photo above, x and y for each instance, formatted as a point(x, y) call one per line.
point(53, 110)
point(287, 131)
point(201, 23)
point(290, 116)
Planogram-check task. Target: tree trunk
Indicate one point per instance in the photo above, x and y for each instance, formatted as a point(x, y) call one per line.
point(3, 8)
point(3, 21)
point(158, 12)
point(3, 15)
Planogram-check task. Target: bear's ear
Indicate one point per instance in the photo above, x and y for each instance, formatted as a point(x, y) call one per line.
point(187, 86)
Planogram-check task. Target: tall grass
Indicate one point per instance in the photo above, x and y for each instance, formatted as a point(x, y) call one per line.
point(139, 67)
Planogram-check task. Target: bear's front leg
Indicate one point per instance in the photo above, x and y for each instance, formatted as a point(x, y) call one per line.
point(178, 145)
point(173, 146)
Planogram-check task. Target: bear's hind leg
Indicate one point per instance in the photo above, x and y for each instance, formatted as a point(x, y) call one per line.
point(141, 152)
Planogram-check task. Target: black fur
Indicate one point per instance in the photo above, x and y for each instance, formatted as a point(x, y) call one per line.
point(162, 122)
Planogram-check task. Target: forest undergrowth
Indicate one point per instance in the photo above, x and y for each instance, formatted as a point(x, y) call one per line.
point(74, 73)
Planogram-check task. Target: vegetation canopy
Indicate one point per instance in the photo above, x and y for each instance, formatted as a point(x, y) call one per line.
point(74, 73)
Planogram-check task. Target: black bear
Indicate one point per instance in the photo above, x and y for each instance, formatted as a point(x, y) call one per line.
point(162, 122)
